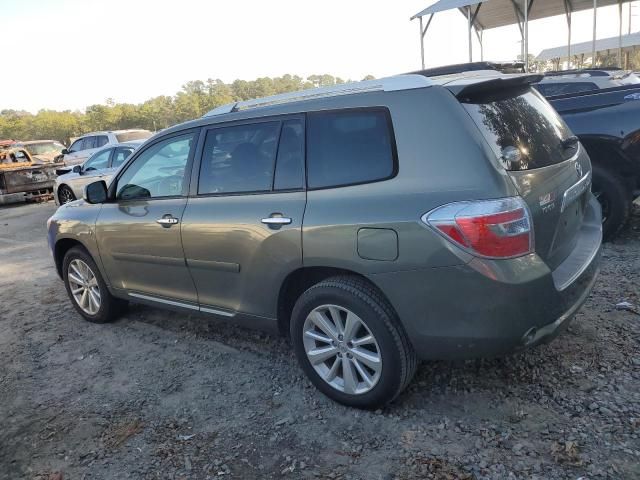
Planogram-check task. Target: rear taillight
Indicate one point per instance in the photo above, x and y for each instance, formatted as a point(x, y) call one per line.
point(489, 228)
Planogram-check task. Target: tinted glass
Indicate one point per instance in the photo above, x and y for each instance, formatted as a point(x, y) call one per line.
point(133, 135)
point(290, 163)
point(90, 142)
point(101, 140)
point(98, 161)
point(239, 159)
point(119, 156)
point(349, 147)
point(523, 124)
point(77, 146)
point(551, 89)
point(159, 171)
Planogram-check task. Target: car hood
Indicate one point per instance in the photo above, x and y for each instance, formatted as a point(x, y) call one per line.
point(66, 176)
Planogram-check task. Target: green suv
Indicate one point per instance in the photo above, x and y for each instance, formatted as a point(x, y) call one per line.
point(374, 223)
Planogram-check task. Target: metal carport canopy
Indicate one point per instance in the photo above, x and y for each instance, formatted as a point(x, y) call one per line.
point(488, 14)
point(500, 13)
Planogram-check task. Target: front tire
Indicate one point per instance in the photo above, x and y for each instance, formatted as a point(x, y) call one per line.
point(86, 288)
point(615, 201)
point(65, 195)
point(350, 344)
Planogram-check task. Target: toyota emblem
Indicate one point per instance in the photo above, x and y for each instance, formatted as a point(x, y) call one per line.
point(579, 169)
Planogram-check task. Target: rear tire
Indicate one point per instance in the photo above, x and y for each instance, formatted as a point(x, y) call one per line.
point(65, 195)
point(615, 200)
point(370, 372)
point(87, 290)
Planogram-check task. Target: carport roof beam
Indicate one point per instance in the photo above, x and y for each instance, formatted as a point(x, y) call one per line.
point(500, 13)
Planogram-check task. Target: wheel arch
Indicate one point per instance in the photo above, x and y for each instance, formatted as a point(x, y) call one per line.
point(607, 153)
point(62, 246)
point(298, 281)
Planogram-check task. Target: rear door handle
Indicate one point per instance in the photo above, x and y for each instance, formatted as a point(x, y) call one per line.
point(276, 221)
point(167, 220)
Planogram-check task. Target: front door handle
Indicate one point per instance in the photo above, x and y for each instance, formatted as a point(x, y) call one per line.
point(276, 221)
point(167, 220)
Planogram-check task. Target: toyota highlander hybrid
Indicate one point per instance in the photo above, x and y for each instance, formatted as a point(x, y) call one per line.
point(374, 223)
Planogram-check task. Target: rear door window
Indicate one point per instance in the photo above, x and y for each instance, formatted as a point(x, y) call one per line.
point(522, 129)
point(349, 147)
point(239, 159)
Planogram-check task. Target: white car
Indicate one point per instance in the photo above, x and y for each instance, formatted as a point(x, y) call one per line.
point(100, 166)
point(86, 145)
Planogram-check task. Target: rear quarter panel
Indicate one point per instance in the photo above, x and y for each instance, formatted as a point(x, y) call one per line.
point(442, 158)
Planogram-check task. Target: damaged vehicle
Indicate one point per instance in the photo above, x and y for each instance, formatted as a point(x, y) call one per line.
point(22, 178)
point(45, 151)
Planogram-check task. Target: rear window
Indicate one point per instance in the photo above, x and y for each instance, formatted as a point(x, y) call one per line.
point(134, 135)
point(523, 130)
point(561, 88)
point(349, 147)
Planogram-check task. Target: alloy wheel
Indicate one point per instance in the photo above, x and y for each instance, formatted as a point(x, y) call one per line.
point(342, 349)
point(66, 195)
point(84, 287)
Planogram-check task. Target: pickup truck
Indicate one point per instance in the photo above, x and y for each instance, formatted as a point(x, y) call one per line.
point(23, 178)
point(607, 122)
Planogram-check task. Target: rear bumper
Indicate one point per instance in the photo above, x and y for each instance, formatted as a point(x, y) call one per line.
point(488, 308)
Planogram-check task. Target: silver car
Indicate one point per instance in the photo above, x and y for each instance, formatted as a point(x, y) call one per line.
point(99, 166)
point(89, 143)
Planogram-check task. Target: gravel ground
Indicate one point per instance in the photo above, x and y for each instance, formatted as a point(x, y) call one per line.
point(165, 395)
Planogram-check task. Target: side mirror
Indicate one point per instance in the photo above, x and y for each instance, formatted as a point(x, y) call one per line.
point(95, 192)
point(64, 151)
point(77, 169)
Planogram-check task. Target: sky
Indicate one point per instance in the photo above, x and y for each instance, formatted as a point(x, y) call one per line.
point(68, 54)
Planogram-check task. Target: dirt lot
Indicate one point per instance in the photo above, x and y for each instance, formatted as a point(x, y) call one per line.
point(163, 395)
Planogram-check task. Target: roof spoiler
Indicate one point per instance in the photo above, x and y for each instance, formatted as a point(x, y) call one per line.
point(464, 90)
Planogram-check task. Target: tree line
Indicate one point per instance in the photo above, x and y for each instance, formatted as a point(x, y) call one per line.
point(192, 101)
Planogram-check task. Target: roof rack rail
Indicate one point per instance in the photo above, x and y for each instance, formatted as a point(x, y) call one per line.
point(503, 67)
point(389, 84)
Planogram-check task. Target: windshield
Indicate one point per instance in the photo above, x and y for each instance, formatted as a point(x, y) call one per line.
point(133, 135)
point(44, 148)
point(522, 129)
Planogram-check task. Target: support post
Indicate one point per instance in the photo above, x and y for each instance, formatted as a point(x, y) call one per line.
point(526, 35)
point(593, 40)
point(619, 33)
point(423, 32)
point(469, 27)
point(421, 43)
point(567, 11)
